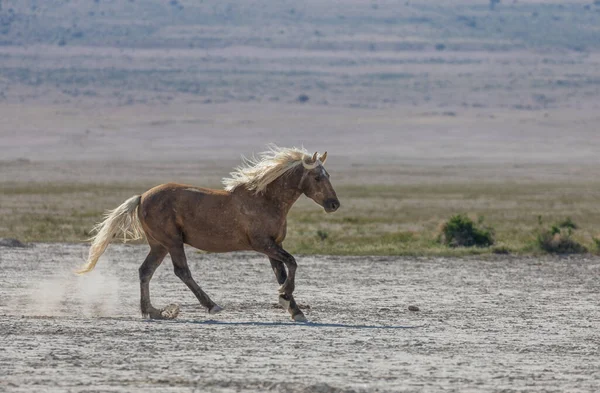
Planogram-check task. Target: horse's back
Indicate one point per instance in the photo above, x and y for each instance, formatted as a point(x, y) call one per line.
point(177, 189)
point(202, 217)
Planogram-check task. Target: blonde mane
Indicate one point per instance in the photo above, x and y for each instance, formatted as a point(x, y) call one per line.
point(257, 173)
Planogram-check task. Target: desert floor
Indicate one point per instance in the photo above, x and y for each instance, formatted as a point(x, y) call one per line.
point(493, 324)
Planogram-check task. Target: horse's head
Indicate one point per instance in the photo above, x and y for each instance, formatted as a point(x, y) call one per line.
point(315, 183)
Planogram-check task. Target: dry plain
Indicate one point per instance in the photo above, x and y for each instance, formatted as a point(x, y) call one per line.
point(484, 325)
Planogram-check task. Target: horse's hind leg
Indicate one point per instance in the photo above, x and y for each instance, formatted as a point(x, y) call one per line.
point(182, 270)
point(286, 301)
point(153, 260)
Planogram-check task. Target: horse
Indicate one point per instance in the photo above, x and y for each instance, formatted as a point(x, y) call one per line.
point(250, 214)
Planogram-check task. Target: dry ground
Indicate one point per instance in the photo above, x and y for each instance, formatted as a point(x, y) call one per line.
point(484, 325)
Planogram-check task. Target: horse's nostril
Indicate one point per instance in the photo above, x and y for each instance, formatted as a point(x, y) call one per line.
point(331, 205)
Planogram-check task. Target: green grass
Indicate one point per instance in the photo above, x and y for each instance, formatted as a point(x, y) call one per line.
point(42, 212)
point(373, 220)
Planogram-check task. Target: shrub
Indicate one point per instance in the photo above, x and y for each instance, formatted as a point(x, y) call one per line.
point(322, 234)
point(501, 250)
point(558, 238)
point(302, 98)
point(597, 243)
point(567, 223)
point(461, 231)
point(559, 243)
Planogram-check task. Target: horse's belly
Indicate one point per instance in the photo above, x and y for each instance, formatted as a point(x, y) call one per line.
point(216, 241)
point(217, 247)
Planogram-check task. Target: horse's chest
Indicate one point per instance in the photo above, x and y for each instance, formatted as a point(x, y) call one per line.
point(274, 229)
point(268, 224)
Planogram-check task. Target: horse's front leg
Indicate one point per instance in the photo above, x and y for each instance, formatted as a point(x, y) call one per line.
point(276, 252)
point(286, 301)
point(279, 257)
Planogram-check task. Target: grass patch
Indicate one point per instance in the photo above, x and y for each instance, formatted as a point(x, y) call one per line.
point(373, 220)
point(461, 231)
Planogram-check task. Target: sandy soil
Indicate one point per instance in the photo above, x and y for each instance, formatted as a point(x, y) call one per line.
point(502, 324)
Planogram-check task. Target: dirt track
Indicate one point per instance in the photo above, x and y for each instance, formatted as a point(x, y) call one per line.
point(505, 324)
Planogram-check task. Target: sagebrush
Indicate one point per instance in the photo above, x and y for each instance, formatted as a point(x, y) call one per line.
point(461, 231)
point(558, 239)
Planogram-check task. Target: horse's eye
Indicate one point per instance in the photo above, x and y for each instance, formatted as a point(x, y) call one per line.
point(318, 178)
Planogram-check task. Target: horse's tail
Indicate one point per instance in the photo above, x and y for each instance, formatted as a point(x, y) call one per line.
point(123, 220)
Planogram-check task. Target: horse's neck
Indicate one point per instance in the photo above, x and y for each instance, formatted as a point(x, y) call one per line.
point(283, 193)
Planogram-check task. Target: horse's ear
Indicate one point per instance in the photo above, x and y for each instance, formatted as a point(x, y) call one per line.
point(323, 158)
point(311, 163)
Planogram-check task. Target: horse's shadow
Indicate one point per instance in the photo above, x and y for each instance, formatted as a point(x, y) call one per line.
point(295, 324)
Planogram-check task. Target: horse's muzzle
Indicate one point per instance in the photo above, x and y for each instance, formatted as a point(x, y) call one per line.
point(331, 205)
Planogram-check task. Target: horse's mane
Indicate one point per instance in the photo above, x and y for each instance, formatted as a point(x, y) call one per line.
point(257, 173)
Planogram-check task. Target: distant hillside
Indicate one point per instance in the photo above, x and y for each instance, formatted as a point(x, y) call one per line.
point(327, 25)
point(523, 55)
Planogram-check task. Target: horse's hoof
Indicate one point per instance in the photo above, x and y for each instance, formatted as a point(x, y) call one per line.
point(170, 312)
point(299, 318)
point(215, 309)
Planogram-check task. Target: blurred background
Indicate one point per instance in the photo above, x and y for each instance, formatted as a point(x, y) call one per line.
point(427, 109)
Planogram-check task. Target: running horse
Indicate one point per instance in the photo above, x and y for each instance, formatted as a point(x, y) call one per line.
point(249, 214)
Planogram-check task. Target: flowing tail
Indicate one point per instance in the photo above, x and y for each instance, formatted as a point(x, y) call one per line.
point(122, 220)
